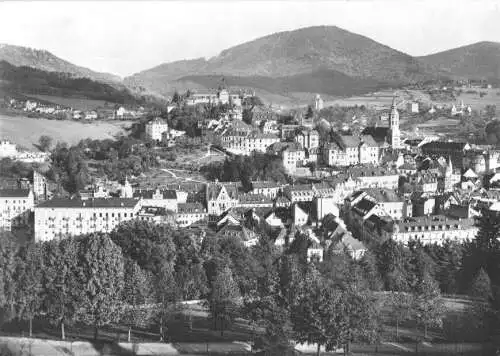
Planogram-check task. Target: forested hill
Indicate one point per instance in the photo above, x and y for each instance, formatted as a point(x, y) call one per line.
point(28, 80)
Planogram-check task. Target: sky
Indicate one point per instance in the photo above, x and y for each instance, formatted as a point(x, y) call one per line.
point(126, 37)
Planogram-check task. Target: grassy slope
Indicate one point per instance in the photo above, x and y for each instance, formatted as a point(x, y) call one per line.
point(25, 131)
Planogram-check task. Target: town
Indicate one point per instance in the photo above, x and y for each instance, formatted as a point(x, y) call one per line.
point(293, 180)
point(248, 178)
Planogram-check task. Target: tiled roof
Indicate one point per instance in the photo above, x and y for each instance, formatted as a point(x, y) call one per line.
point(378, 133)
point(265, 184)
point(90, 203)
point(214, 189)
point(445, 145)
point(148, 194)
point(190, 208)
point(383, 195)
point(14, 193)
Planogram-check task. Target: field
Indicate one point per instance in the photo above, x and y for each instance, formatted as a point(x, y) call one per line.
point(75, 103)
point(26, 131)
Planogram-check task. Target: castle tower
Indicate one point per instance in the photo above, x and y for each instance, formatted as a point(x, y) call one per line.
point(395, 134)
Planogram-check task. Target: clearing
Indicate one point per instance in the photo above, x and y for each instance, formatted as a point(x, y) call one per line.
point(25, 131)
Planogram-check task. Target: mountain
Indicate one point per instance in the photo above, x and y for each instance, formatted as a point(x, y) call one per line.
point(476, 61)
point(46, 61)
point(304, 52)
point(20, 81)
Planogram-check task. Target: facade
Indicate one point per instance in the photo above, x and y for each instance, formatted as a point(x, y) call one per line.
point(318, 103)
point(434, 229)
point(16, 207)
point(245, 145)
point(395, 134)
point(191, 213)
point(351, 150)
point(155, 128)
point(292, 156)
point(60, 218)
point(221, 197)
point(308, 139)
point(266, 188)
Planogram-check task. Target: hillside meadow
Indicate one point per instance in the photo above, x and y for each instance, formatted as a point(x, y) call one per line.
point(25, 131)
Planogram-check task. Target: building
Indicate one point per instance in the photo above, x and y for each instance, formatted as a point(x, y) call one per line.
point(434, 229)
point(165, 198)
point(39, 186)
point(452, 149)
point(156, 215)
point(413, 107)
point(190, 213)
point(7, 149)
point(293, 156)
point(220, 197)
point(155, 128)
point(318, 103)
point(16, 207)
point(347, 150)
point(308, 138)
point(60, 218)
point(375, 177)
point(245, 145)
point(387, 136)
point(266, 188)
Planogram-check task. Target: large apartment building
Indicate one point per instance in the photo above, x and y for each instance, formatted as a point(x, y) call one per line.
point(16, 206)
point(60, 218)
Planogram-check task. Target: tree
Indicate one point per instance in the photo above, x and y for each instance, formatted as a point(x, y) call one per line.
point(102, 278)
point(224, 299)
point(318, 316)
point(8, 280)
point(29, 287)
point(247, 116)
point(481, 285)
point(61, 281)
point(428, 305)
point(45, 142)
point(400, 308)
point(137, 293)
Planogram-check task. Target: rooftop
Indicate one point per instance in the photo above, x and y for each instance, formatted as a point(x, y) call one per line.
point(90, 203)
point(14, 193)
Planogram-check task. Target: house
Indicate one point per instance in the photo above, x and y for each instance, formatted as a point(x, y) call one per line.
point(156, 215)
point(453, 149)
point(245, 235)
point(16, 208)
point(352, 246)
point(267, 188)
point(155, 128)
point(300, 217)
point(347, 150)
point(308, 138)
point(190, 213)
point(254, 201)
point(221, 197)
point(90, 115)
point(164, 198)
point(7, 149)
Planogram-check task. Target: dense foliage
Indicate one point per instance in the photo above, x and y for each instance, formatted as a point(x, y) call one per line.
point(258, 166)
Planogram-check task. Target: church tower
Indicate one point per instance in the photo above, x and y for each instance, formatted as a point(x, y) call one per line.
point(395, 135)
point(448, 181)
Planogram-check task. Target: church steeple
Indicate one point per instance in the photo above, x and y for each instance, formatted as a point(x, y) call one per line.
point(394, 125)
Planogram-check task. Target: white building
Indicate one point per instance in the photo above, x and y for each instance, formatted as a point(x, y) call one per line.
point(155, 128)
point(16, 206)
point(7, 149)
point(190, 213)
point(166, 198)
point(60, 218)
